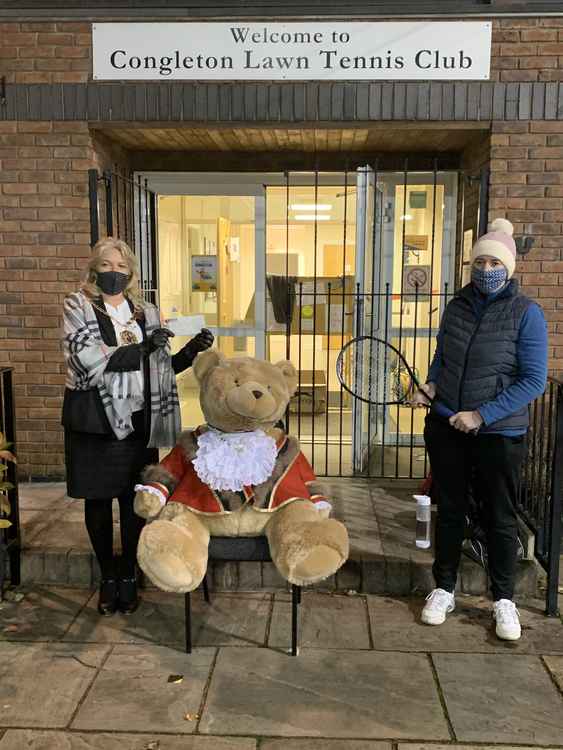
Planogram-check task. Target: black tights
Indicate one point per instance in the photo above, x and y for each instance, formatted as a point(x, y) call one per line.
point(98, 514)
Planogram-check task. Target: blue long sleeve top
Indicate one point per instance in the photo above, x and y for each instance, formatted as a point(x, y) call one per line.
point(532, 350)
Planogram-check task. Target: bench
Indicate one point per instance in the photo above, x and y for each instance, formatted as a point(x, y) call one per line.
point(241, 549)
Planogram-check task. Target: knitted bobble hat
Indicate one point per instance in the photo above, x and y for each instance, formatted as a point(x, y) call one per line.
point(498, 243)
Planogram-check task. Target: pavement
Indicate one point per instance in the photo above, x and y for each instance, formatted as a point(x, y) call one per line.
point(369, 675)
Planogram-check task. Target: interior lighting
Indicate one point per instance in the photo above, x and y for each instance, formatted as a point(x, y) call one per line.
point(312, 217)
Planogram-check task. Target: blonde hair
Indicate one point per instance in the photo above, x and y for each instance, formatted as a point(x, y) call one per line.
point(133, 288)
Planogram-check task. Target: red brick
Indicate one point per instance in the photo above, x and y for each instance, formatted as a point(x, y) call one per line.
point(35, 77)
point(72, 52)
point(36, 53)
point(538, 35)
point(55, 38)
point(538, 62)
point(70, 77)
point(543, 203)
point(34, 127)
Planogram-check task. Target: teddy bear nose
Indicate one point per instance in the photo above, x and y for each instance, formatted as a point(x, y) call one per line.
point(257, 394)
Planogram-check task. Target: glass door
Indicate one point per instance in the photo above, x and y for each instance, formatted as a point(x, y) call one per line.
point(405, 265)
point(211, 263)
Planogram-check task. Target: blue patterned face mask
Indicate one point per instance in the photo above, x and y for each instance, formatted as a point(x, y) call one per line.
point(491, 281)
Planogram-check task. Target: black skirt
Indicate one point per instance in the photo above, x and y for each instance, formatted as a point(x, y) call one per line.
point(101, 466)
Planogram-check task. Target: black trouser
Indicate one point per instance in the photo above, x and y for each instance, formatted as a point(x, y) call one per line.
point(496, 461)
point(98, 514)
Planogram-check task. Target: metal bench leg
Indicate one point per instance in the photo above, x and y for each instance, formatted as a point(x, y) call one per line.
point(295, 601)
point(206, 590)
point(188, 622)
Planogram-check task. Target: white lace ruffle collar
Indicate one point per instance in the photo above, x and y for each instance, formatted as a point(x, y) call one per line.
point(233, 460)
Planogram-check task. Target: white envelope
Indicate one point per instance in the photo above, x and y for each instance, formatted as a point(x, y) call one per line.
point(186, 325)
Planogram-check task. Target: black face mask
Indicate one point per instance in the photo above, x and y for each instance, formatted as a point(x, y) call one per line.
point(112, 282)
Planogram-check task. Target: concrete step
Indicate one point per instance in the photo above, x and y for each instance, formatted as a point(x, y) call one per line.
point(380, 521)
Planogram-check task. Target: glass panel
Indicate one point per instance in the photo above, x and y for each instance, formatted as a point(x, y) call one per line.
point(207, 266)
point(313, 255)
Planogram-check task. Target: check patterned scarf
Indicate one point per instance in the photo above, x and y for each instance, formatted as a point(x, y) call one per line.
point(87, 356)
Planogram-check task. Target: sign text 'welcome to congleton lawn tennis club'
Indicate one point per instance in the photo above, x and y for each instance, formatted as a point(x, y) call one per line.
point(426, 50)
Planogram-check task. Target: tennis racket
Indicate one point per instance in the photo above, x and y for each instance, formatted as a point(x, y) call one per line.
point(375, 372)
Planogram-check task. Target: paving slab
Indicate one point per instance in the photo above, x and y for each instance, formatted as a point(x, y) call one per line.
point(230, 619)
point(396, 626)
point(555, 666)
point(132, 691)
point(320, 745)
point(21, 739)
point(323, 694)
point(508, 697)
point(42, 495)
point(41, 684)
point(433, 746)
point(44, 614)
point(325, 621)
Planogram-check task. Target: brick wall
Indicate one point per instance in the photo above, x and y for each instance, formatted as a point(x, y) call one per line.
point(527, 49)
point(46, 52)
point(527, 188)
point(44, 240)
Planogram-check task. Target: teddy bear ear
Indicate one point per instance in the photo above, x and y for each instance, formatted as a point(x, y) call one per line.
point(205, 362)
point(289, 373)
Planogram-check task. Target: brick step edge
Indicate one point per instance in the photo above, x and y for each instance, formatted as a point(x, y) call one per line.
point(397, 577)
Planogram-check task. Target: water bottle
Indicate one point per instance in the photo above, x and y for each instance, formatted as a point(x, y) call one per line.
point(423, 515)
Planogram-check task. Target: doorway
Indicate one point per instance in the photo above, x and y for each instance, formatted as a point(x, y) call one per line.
point(299, 263)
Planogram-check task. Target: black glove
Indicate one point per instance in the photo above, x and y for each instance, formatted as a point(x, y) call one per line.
point(201, 342)
point(157, 340)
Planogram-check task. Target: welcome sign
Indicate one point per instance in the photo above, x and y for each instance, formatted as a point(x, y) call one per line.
point(430, 50)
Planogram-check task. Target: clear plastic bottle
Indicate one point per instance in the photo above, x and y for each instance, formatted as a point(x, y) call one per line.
point(423, 524)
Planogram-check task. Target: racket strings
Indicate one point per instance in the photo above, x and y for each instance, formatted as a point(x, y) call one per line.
point(375, 372)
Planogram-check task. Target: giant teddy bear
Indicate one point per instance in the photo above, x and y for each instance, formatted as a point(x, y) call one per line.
point(237, 475)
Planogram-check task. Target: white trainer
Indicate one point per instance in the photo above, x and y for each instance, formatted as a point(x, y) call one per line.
point(507, 620)
point(439, 604)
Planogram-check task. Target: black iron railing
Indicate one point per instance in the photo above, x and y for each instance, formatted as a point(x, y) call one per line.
point(10, 545)
point(541, 502)
point(122, 206)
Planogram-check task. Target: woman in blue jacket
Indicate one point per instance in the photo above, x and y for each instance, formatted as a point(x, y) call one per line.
point(490, 364)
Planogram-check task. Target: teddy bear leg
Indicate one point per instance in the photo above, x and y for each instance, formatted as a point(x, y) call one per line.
point(173, 549)
point(305, 547)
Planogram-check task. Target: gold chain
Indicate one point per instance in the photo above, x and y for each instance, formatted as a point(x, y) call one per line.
point(126, 337)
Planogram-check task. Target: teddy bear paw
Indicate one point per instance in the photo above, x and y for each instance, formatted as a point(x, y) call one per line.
point(167, 558)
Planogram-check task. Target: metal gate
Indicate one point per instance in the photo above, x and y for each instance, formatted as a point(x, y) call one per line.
point(397, 245)
point(124, 207)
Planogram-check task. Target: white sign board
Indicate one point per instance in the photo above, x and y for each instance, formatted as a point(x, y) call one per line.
point(386, 50)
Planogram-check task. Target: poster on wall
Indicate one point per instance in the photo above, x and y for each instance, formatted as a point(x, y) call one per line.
point(204, 273)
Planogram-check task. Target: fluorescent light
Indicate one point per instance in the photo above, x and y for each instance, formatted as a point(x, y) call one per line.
point(311, 206)
point(406, 217)
point(312, 217)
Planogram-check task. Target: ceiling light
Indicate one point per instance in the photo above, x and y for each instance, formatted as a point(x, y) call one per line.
point(310, 206)
point(406, 217)
point(312, 217)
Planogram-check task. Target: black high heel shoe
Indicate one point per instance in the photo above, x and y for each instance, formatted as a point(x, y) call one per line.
point(107, 601)
point(128, 596)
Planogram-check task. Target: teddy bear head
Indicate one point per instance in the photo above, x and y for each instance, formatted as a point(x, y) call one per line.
point(243, 394)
